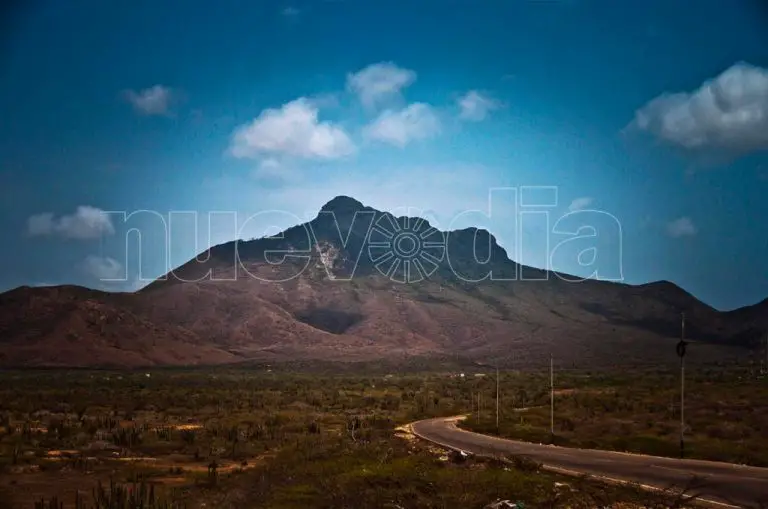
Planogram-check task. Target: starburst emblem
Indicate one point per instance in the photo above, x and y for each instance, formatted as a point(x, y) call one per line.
point(406, 249)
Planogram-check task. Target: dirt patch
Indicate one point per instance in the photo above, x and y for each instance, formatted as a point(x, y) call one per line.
point(186, 427)
point(567, 392)
point(178, 480)
point(55, 453)
point(405, 432)
point(178, 427)
point(222, 465)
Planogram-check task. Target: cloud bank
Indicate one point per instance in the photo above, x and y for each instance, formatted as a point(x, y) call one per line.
point(475, 106)
point(293, 130)
point(86, 223)
point(682, 227)
point(379, 83)
point(580, 203)
point(417, 121)
point(729, 112)
point(103, 268)
point(154, 100)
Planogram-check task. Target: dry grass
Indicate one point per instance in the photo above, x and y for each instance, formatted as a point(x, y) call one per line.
point(251, 439)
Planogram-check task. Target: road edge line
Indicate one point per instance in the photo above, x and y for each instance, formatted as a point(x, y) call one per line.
point(563, 471)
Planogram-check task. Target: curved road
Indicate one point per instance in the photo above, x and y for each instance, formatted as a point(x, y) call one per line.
point(722, 484)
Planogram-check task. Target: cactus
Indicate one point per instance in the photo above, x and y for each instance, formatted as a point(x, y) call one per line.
point(233, 435)
point(164, 433)
point(53, 503)
point(136, 496)
point(188, 436)
point(213, 474)
point(127, 437)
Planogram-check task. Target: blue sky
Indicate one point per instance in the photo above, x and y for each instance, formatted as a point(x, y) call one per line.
point(654, 114)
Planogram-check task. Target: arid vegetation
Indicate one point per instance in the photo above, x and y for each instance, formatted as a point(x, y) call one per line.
point(284, 437)
point(725, 412)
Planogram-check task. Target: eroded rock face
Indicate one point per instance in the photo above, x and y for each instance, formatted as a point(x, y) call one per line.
point(329, 257)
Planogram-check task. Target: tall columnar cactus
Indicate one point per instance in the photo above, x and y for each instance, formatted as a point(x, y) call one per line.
point(116, 496)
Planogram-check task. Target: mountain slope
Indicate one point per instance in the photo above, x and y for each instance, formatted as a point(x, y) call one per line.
point(356, 283)
point(77, 327)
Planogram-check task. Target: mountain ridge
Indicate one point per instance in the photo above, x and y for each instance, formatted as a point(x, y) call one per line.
point(347, 204)
point(345, 290)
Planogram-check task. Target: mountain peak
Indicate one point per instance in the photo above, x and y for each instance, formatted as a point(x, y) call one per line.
point(342, 203)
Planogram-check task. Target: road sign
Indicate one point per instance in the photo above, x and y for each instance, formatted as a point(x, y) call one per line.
point(681, 348)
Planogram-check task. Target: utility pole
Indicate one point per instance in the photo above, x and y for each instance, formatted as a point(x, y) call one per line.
point(681, 353)
point(497, 400)
point(682, 391)
point(551, 396)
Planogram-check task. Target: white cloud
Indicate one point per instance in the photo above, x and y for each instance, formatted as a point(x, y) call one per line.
point(154, 100)
point(325, 100)
point(43, 284)
point(580, 203)
point(729, 112)
point(103, 268)
point(271, 170)
point(86, 223)
point(475, 106)
point(269, 165)
point(682, 227)
point(415, 122)
point(292, 130)
point(379, 82)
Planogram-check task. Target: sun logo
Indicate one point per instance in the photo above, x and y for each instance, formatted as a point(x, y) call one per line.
point(407, 248)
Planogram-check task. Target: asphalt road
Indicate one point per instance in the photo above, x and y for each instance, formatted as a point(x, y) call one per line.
point(732, 485)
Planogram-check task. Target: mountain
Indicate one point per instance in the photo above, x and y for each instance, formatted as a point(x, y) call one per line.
point(70, 326)
point(356, 283)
